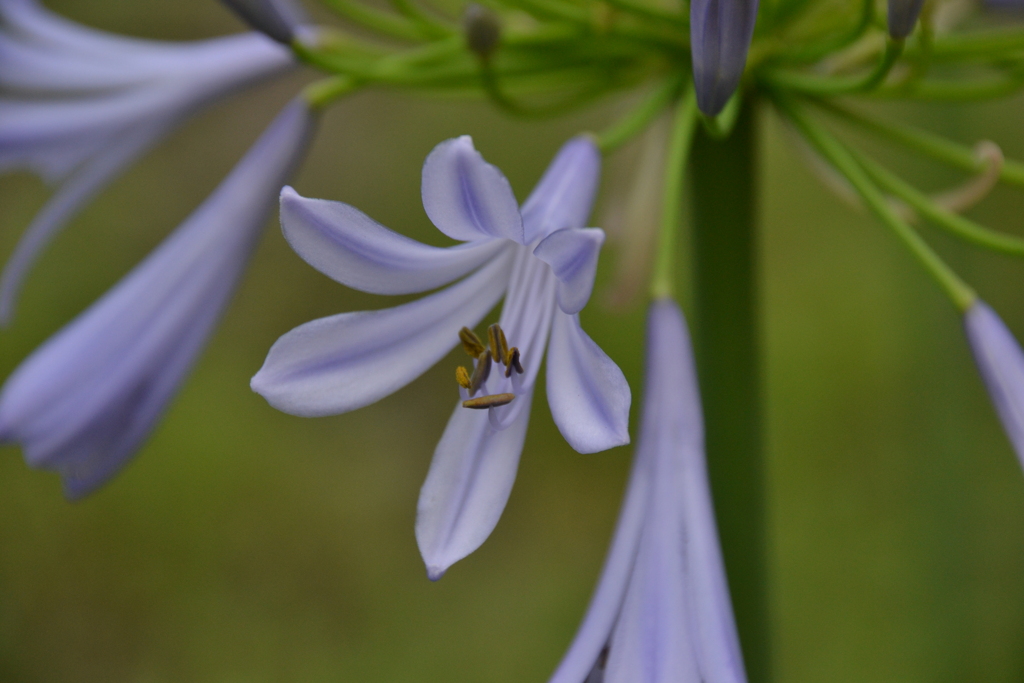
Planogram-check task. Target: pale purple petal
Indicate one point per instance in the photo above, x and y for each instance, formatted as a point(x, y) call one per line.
point(595, 632)
point(468, 485)
point(83, 402)
point(587, 393)
point(69, 198)
point(466, 197)
point(572, 254)
point(272, 17)
point(347, 245)
point(565, 194)
point(720, 34)
point(1001, 363)
point(347, 361)
point(673, 422)
point(526, 320)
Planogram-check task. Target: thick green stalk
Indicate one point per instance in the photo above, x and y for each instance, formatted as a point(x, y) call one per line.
point(728, 359)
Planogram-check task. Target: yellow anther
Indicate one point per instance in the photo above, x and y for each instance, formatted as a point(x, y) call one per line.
point(512, 361)
point(499, 345)
point(474, 347)
point(480, 373)
point(490, 401)
point(462, 377)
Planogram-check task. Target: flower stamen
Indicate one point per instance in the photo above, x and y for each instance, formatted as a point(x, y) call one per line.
point(490, 401)
point(499, 345)
point(462, 377)
point(471, 343)
point(512, 361)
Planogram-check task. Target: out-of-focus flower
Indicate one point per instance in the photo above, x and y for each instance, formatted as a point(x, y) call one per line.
point(278, 19)
point(79, 105)
point(1001, 364)
point(720, 34)
point(661, 612)
point(84, 402)
point(903, 17)
point(543, 261)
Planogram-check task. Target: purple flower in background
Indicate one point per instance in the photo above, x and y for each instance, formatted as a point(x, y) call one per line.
point(79, 105)
point(541, 260)
point(661, 612)
point(278, 19)
point(84, 401)
point(720, 34)
point(903, 17)
point(1001, 363)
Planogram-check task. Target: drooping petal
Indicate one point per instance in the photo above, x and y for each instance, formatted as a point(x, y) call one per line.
point(720, 33)
point(572, 254)
point(564, 197)
point(69, 198)
point(84, 401)
point(468, 485)
point(1001, 364)
point(347, 361)
point(466, 197)
point(903, 17)
point(587, 393)
point(673, 429)
point(595, 632)
point(345, 244)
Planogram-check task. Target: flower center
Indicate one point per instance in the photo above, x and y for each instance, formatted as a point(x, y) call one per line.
point(497, 351)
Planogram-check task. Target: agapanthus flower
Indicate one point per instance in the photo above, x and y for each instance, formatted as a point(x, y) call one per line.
point(720, 34)
point(85, 400)
point(661, 612)
point(79, 105)
point(541, 260)
point(1001, 364)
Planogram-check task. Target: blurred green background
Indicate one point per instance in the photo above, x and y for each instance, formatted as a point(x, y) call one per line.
point(248, 545)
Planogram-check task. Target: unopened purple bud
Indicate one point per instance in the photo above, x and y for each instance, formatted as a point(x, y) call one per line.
point(274, 18)
point(720, 34)
point(903, 17)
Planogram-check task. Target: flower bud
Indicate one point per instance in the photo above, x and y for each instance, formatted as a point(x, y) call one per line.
point(903, 16)
point(483, 29)
point(720, 33)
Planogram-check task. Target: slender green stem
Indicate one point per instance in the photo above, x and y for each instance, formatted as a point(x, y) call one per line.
point(819, 49)
point(376, 20)
point(726, 336)
point(959, 292)
point(323, 92)
point(838, 85)
point(649, 13)
point(664, 276)
point(637, 120)
point(954, 223)
point(932, 145)
point(429, 25)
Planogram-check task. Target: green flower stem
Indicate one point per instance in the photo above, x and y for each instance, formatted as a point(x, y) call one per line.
point(822, 48)
point(836, 154)
point(933, 90)
point(652, 14)
point(984, 44)
point(321, 93)
point(838, 85)
point(381, 22)
point(637, 120)
point(726, 336)
point(952, 222)
point(932, 145)
point(429, 25)
point(686, 116)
